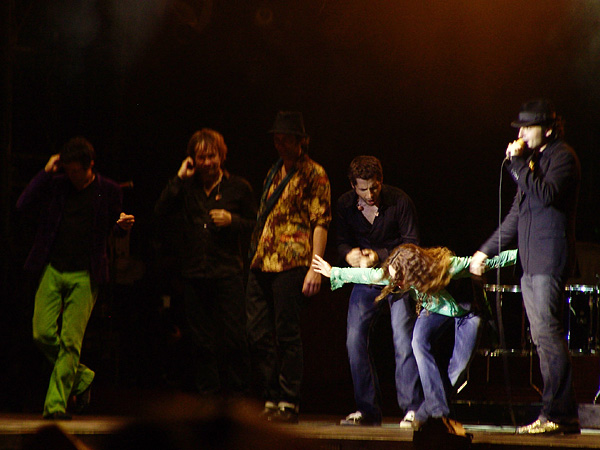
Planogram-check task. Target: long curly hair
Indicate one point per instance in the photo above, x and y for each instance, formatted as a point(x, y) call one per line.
point(425, 269)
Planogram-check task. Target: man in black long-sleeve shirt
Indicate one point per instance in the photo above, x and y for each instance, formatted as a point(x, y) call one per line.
point(373, 219)
point(216, 210)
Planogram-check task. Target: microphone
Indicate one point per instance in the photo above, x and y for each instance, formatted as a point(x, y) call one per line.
point(126, 184)
point(519, 144)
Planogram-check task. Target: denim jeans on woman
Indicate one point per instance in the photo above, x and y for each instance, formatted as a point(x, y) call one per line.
point(439, 382)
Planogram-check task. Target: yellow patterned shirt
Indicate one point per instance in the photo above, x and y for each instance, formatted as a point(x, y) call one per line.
point(286, 239)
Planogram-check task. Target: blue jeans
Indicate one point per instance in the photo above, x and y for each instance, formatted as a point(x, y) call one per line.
point(543, 296)
point(466, 336)
point(437, 382)
point(362, 314)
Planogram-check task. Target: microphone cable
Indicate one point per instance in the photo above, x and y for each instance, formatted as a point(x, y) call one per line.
point(501, 335)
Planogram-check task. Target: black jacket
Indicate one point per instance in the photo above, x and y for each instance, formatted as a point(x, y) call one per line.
point(49, 193)
point(542, 216)
point(205, 250)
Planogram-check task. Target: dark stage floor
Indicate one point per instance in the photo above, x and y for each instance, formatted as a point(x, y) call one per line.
point(22, 432)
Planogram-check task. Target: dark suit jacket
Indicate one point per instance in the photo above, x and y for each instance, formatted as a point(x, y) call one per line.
point(49, 192)
point(542, 216)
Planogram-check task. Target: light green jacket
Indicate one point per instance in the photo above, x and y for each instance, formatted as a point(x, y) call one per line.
point(442, 302)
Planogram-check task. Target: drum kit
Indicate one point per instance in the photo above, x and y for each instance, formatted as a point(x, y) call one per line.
point(581, 322)
point(581, 316)
point(581, 319)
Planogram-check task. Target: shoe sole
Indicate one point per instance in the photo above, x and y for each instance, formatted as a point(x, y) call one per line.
point(361, 424)
point(551, 432)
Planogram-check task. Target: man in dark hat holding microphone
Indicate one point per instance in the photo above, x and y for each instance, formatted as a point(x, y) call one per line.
point(292, 223)
point(542, 219)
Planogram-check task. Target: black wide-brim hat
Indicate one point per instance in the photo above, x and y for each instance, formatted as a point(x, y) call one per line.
point(289, 122)
point(535, 112)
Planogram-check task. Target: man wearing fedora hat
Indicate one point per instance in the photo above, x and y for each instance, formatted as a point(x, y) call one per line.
point(292, 223)
point(542, 219)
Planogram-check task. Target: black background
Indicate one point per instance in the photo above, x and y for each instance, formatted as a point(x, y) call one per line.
point(429, 87)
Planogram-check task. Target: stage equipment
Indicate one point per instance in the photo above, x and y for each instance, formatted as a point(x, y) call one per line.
point(514, 321)
point(581, 319)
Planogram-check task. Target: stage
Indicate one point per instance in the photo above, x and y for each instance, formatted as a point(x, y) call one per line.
point(122, 409)
point(18, 432)
point(118, 415)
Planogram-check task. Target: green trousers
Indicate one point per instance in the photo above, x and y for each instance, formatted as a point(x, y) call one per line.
point(73, 295)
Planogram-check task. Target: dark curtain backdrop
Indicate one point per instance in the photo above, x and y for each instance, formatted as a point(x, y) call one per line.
point(429, 87)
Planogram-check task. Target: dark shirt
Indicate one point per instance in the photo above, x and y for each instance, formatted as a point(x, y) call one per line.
point(205, 250)
point(395, 224)
point(71, 249)
point(49, 193)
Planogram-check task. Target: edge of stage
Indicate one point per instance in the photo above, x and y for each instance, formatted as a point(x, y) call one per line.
point(99, 432)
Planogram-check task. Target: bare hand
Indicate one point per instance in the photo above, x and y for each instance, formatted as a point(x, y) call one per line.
point(53, 164)
point(312, 283)
point(321, 266)
point(515, 148)
point(221, 217)
point(368, 258)
point(353, 257)
point(477, 266)
point(126, 221)
point(187, 168)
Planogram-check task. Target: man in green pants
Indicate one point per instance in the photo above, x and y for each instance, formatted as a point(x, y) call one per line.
point(78, 210)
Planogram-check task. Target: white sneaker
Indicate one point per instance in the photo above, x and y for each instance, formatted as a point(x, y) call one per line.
point(407, 422)
point(269, 410)
point(352, 419)
point(357, 418)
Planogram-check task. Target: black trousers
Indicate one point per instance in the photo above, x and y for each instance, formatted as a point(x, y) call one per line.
point(274, 302)
point(216, 315)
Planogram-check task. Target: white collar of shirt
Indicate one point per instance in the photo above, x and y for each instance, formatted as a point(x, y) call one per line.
point(369, 211)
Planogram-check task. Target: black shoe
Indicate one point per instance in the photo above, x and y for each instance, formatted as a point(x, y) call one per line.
point(440, 426)
point(58, 416)
point(440, 432)
point(82, 400)
point(286, 413)
point(357, 419)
